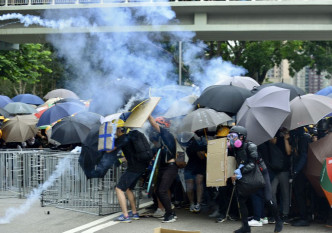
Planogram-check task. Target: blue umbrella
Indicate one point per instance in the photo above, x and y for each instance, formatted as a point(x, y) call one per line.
point(4, 100)
point(325, 91)
point(59, 111)
point(28, 99)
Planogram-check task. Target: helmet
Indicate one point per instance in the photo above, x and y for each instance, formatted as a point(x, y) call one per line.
point(240, 130)
point(119, 123)
point(163, 122)
point(223, 131)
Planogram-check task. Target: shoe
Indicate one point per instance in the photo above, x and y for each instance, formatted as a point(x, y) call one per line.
point(278, 227)
point(158, 213)
point(133, 216)
point(177, 204)
point(197, 208)
point(192, 207)
point(271, 220)
point(255, 223)
point(285, 219)
point(122, 218)
point(300, 223)
point(215, 214)
point(221, 219)
point(169, 218)
point(264, 220)
point(232, 218)
point(243, 230)
point(174, 215)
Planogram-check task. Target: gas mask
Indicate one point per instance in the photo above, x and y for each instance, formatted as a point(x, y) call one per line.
point(233, 141)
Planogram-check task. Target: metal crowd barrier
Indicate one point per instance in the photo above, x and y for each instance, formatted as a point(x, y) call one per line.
point(23, 171)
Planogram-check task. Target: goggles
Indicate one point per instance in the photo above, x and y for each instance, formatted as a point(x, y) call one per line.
point(232, 136)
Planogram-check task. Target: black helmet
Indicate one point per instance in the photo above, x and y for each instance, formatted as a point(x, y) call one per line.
point(240, 130)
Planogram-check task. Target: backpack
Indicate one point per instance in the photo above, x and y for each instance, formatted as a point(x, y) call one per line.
point(143, 152)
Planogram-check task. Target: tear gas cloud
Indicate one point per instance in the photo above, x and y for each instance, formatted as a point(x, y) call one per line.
point(110, 68)
point(11, 213)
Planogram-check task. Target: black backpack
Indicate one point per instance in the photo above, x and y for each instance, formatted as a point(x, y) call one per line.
point(143, 152)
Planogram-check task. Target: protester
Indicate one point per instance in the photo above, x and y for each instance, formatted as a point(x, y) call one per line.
point(168, 169)
point(246, 156)
point(129, 178)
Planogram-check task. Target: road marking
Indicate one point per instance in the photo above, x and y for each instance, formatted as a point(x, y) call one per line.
point(99, 227)
point(99, 221)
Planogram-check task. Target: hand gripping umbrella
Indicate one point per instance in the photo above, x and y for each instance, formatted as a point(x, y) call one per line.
point(263, 113)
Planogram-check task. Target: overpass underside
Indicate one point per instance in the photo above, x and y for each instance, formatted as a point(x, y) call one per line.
point(210, 20)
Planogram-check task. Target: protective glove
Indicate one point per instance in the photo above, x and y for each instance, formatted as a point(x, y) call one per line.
point(238, 173)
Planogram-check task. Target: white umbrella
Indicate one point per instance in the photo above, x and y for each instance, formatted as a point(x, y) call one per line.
point(239, 81)
point(307, 109)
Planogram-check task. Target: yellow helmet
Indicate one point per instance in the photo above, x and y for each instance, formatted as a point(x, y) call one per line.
point(223, 132)
point(119, 123)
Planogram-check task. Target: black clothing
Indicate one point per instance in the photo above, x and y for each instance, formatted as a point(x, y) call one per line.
point(168, 150)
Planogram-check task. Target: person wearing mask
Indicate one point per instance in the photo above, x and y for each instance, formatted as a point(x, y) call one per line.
point(246, 156)
point(168, 169)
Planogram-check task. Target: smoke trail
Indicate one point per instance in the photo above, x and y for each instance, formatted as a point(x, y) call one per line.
point(11, 213)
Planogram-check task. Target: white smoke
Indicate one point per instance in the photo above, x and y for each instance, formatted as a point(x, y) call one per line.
point(11, 213)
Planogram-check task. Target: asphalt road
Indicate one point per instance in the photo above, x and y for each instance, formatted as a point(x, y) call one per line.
point(54, 220)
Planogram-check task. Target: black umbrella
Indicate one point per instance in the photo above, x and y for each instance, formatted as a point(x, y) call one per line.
point(223, 98)
point(294, 90)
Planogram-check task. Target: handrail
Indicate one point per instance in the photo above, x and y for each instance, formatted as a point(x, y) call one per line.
point(8, 3)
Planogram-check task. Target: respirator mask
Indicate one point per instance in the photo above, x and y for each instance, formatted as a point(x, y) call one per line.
point(233, 141)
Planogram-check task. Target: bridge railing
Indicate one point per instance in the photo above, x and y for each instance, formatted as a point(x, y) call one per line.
point(59, 2)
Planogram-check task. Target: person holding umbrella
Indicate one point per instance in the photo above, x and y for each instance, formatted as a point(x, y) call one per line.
point(246, 156)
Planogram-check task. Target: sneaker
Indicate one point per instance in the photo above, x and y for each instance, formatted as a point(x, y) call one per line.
point(221, 219)
point(264, 220)
point(255, 223)
point(133, 216)
point(278, 227)
point(215, 214)
point(285, 219)
point(122, 218)
point(174, 215)
point(169, 218)
point(271, 220)
point(197, 208)
point(192, 207)
point(158, 213)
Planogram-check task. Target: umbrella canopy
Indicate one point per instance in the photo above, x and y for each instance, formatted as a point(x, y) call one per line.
point(4, 113)
point(263, 113)
point(203, 118)
point(19, 128)
point(71, 130)
point(294, 90)
point(28, 99)
point(64, 100)
point(181, 107)
point(89, 118)
point(317, 153)
point(4, 100)
point(62, 93)
point(325, 91)
point(223, 98)
point(326, 179)
point(50, 102)
point(19, 108)
point(59, 111)
point(239, 81)
point(307, 109)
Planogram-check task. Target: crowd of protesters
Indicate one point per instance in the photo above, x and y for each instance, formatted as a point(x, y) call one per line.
point(287, 198)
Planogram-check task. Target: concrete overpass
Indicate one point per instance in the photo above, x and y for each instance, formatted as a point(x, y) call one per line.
point(211, 20)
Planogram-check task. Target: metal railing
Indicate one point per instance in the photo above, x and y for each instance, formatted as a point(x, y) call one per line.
point(58, 2)
point(23, 171)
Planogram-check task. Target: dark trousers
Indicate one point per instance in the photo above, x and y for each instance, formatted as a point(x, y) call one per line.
point(299, 187)
point(243, 210)
point(166, 177)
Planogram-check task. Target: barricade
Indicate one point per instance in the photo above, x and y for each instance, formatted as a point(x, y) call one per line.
point(26, 170)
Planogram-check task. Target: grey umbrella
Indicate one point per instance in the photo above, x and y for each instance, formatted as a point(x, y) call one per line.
point(203, 118)
point(19, 128)
point(307, 109)
point(62, 93)
point(263, 113)
point(19, 108)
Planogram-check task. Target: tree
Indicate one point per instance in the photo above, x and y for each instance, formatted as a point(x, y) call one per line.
point(24, 66)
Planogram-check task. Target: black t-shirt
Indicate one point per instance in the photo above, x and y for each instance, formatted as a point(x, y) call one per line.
point(125, 144)
point(168, 151)
point(196, 164)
